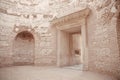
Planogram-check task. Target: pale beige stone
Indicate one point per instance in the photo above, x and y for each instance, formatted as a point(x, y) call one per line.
point(40, 33)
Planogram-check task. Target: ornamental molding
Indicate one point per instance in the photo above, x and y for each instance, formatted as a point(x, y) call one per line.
point(71, 19)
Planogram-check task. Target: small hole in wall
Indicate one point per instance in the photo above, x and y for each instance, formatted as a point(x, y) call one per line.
point(77, 52)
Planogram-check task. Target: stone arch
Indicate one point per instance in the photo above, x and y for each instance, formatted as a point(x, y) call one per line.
point(24, 48)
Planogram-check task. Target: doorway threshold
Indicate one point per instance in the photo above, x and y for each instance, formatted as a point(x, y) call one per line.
point(75, 67)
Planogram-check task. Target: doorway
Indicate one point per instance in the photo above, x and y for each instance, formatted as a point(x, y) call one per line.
point(70, 47)
point(23, 48)
point(75, 48)
point(67, 25)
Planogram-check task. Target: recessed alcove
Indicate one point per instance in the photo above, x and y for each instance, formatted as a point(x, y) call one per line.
point(23, 48)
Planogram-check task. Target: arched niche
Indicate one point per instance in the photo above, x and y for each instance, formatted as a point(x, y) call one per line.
point(23, 48)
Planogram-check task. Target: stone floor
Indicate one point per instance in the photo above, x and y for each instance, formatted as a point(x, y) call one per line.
point(48, 73)
point(75, 67)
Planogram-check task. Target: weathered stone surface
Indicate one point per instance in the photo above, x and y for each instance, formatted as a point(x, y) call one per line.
point(44, 21)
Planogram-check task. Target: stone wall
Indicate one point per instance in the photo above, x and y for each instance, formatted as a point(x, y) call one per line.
point(5, 44)
point(45, 41)
point(103, 48)
point(103, 36)
point(118, 31)
point(46, 52)
point(118, 36)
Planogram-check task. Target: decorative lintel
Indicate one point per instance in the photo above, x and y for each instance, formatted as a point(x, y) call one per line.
point(71, 18)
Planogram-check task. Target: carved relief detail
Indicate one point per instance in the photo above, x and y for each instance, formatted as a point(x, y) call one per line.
point(71, 18)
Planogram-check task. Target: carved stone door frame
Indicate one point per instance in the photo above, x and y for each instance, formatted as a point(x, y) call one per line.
point(66, 22)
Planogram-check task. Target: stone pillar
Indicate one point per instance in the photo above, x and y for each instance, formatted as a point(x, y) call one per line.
point(84, 46)
point(63, 48)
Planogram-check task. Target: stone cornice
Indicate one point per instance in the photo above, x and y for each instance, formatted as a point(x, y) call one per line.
point(71, 18)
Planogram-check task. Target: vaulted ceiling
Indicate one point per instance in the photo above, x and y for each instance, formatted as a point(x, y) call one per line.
point(36, 12)
point(46, 8)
